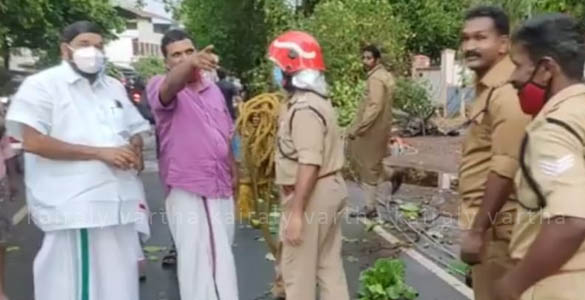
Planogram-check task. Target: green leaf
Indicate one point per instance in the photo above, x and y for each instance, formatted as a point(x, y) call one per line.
point(371, 226)
point(350, 241)
point(376, 289)
point(12, 249)
point(352, 259)
point(410, 293)
point(154, 249)
point(410, 207)
point(153, 258)
point(393, 292)
point(458, 267)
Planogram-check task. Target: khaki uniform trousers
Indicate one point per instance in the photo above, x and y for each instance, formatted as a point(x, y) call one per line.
point(318, 259)
point(496, 262)
point(563, 286)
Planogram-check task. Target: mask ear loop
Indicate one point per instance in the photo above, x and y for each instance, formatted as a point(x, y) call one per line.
point(531, 80)
point(547, 93)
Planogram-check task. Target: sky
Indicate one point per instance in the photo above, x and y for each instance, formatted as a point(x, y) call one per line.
point(152, 6)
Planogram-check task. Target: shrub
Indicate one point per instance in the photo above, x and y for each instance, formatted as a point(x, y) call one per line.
point(413, 98)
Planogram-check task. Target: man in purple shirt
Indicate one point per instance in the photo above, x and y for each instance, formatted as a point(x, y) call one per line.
point(197, 167)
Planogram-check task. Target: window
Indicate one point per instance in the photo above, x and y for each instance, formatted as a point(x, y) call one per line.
point(135, 47)
point(161, 28)
point(131, 25)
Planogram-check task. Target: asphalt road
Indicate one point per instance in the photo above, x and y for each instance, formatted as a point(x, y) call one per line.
point(255, 273)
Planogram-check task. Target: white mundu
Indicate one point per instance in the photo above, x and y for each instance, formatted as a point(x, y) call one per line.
point(87, 209)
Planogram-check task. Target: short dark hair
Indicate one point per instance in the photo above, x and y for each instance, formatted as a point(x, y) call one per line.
point(557, 36)
point(497, 14)
point(221, 74)
point(72, 31)
point(372, 49)
point(171, 36)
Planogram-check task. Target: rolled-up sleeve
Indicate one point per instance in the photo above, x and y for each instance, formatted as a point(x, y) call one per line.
point(153, 93)
point(135, 123)
point(308, 133)
point(508, 128)
point(557, 165)
point(32, 106)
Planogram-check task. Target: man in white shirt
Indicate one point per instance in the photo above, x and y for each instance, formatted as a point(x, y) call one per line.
point(83, 149)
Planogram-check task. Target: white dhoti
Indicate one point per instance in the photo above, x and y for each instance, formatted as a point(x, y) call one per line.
point(88, 264)
point(203, 230)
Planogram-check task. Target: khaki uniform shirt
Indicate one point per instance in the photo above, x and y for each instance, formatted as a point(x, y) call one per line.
point(493, 140)
point(554, 157)
point(308, 134)
point(372, 125)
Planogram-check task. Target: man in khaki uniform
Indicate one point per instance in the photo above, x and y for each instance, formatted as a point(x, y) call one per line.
point(309, 159)
point(370, 132)
point(490, 150)
point(549, 235)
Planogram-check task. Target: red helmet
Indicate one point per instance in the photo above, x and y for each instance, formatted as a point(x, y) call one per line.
point(295, 51)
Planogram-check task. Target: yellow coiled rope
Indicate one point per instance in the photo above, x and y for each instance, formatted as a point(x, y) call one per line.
point(257, 126)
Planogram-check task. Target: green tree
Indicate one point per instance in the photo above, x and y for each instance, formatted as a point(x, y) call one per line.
point(36, 24)
point(236, 29)
point(433, 24)
point(519, 10)
point(147, 67)
point(363, 22)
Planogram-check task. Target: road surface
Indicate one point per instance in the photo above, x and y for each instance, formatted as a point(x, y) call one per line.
point(255, 273)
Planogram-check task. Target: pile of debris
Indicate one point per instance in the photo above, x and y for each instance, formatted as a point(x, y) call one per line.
point(406, 125)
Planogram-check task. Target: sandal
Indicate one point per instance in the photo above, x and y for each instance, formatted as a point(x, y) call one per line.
point(142, 270)
point(170, 260)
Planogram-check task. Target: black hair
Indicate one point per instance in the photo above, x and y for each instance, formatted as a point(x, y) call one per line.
point(374, 50)
point(72, 31)
point(171, 36)
point(497, 14)
point(557, 36)
point(221, 74)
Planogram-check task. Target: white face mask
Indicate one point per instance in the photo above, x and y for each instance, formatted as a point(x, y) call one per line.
point(89, 60)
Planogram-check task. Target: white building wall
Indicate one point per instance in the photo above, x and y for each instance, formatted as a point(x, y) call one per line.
point(120, 51)
point(146, 33)
point(132, 44)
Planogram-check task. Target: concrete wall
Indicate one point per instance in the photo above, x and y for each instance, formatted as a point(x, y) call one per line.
point(120, 51)
point(431, 78)
point(146, 33)
point(446, 82)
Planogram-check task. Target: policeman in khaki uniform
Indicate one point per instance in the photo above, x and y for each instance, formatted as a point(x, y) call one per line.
point(549, 235)
point(370, 133)
point(490, 150)
point(308, 162)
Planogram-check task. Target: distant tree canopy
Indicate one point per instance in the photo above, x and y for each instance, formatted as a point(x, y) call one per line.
point(241, 31)
point(36, 24)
